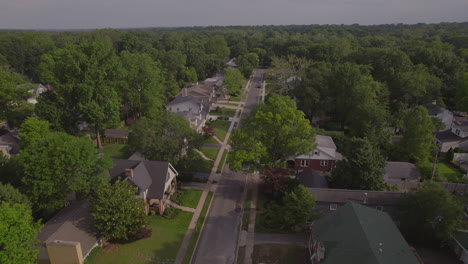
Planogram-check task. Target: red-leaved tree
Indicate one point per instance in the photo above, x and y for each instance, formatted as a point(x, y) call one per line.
point(208, 131)
point(276, 181)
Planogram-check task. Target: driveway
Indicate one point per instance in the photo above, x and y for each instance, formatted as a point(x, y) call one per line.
point(218, 240)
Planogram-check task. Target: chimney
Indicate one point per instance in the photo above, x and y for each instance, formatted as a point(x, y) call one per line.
point(184, 92)
point(129, 173)
point(434, 102)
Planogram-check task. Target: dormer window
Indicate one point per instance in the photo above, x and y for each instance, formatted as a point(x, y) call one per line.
point(316, 152)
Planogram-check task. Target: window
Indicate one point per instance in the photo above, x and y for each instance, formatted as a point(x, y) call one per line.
point(457, 131)
point(333, 207)
point(304, 163)
point(380, 208)
point(324, 163)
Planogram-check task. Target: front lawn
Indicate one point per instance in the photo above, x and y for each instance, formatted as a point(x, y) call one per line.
point(211, 153)
point(223, 111)
point(117, 151)
point(220, 128)
point(189, 197)
point(161, 247)
point(210, 140)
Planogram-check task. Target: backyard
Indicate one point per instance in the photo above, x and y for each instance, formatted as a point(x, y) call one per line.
point(117, 151)
point(449, 172)
point(161, 247)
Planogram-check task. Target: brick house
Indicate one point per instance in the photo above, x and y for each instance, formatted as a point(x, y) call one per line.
point(323, 158)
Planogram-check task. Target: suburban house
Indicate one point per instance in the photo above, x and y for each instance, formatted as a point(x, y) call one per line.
point(231, 63)
point(358, 234)
point(441, 113)
point(397, 172)
point(69, 236)
point(456, 136)
point(155, 180)
point(460, 245)
point(192, 109)
point(329, 200)
point(323, 158)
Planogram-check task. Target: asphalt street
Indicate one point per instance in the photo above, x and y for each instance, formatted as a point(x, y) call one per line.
point(218, 240)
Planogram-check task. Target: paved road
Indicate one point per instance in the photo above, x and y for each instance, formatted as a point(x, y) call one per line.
point(218, 241)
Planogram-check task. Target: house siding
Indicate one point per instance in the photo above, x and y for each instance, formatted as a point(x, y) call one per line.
point(315, 165)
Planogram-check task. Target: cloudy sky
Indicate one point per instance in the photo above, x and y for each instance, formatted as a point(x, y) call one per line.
point(77, 14)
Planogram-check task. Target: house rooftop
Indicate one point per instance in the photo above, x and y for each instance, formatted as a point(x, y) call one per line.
point(395, 170)
point(148, 174)
point(461, 123)
point(433, 109)
point(341, 196)
point(359, 234)
point(73, 223)
point(325, 141)
point(182, 99)
point(116, 133)
point(461, 237)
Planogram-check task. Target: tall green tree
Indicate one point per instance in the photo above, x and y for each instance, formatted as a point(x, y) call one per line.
point(429, 214)
point(85, 79)
point(416, 143)
point(13, 106)
point(58, 164)
point(33, 129)
point(271, 133)
point(164, 136)
point(142, 88)
point(18, 234)
point(247, 63)
point(233, 81)
point(12, 195)
point(362, 169)
point(217, 45)
point(298, 207)
point(117, 213)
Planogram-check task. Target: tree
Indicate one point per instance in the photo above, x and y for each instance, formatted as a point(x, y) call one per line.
point(247, 63)
point(58, 164)
point(462, 95)
point(55, 111)
point(117, 214)
point(233, 81)
point(33, 129)
point(289, 70)
point(217, 45)
point(208, 131)
point(271, 133)
point(166, 136)
point(298, 207)
point(416, 143)
point(142, 84)
point(18, 234)
point(11, 195)
point(276, 181)
point(84, 78)
point(429, 214)
point(362, 169)
point(13, 106)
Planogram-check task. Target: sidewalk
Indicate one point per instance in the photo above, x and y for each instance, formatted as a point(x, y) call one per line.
point(250, 236)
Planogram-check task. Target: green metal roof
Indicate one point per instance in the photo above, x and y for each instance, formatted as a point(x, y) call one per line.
point(358, 234)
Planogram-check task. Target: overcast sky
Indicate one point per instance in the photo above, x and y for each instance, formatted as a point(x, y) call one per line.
point(79, 14)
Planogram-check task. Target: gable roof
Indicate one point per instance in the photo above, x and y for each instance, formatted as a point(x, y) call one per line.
point(326, 150)
point(72, 223)
point(184, 99)
point(148, 174)
point(433, 109)
point(324, 141)
point(397, 170)
point(359, 234)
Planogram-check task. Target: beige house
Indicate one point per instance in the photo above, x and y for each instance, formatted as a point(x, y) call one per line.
point(155, 180)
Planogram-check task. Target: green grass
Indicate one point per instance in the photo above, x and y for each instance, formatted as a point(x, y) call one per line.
point(220, 128)
point(118, 151)
point(248, 201)
point(211, 153)
point(279, 254)
point(235, 98)
point(222, 161)
point(196, 232)
point(201, 165)
point(224, 112)
point(224, 104)
point(190, 198)
point(161, 247)
point(210, 140)
point(450, 173)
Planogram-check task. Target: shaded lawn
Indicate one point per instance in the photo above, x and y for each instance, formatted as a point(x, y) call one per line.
point(232, 104)
point(235, 98)
point(220, 128)
point(449, 172)
point(280, 254)
point(210, 140)
point(224, 112)
point(117, 151)
point(211, 153)
point(190, 197)
point(161, 247)
point(223, 160)
point(196, 232)
point(199, 164)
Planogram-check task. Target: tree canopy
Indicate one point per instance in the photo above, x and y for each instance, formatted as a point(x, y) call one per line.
point(270, 134)
point(233, 81)
point(429, 214)
point(117, 214)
